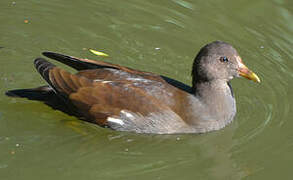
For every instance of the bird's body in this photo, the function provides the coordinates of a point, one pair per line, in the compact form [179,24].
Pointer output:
[125,99]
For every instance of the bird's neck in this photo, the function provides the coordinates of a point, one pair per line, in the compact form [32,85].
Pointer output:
[217,99]
[204,89]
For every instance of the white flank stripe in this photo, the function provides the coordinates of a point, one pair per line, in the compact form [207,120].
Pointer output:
[115,120]
[127,114]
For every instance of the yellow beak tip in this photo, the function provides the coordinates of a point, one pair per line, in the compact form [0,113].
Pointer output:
[255,78]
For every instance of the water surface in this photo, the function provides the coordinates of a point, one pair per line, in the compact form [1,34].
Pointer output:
[163,36]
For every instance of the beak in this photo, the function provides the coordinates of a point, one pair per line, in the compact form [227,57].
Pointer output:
[245,72]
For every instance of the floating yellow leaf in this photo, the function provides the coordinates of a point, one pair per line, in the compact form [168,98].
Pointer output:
[98,53]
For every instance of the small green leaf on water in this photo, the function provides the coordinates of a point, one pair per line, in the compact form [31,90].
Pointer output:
[98,53]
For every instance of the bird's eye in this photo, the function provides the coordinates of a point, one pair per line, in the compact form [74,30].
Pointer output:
[224,59]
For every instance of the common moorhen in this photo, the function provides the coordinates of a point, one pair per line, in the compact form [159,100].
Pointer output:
[125,99]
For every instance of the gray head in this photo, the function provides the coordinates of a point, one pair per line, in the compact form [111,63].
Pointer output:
[219,61]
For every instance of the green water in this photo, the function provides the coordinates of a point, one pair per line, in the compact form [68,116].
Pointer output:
[161,36]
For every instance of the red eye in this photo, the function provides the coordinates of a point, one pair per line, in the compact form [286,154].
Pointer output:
[224,59]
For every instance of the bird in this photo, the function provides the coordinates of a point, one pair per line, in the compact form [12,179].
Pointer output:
[125,99]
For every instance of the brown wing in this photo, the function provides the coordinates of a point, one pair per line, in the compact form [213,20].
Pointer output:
[119,105]
[85,64]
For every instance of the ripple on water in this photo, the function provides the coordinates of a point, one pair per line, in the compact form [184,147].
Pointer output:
[132,30]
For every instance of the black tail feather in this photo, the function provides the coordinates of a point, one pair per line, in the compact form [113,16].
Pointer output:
[46,95]
[42,93]
[70,61]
